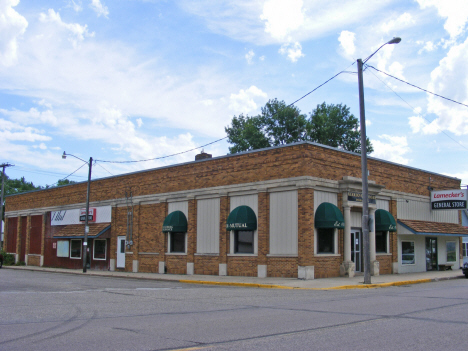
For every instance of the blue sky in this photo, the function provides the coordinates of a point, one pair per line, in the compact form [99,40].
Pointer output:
[138,79]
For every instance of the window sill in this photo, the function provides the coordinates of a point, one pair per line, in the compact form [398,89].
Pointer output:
[283,255]
[98,259]
[207,254]
[176,254]
[241,255]
[383,254]
[326,255]
[148,253]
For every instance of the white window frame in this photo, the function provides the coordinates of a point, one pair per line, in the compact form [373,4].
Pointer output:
[446,251]
[414,252]
[335,244]
[94,250]
[66,252]
[388,245]
[169,245]
[81,249]
[255,245]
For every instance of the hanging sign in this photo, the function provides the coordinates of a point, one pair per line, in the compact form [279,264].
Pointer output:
[357,197]
[449,199]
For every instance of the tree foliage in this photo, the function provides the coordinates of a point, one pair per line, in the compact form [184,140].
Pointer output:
[279,124]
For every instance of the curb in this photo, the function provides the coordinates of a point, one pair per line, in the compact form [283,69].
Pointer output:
[244,285]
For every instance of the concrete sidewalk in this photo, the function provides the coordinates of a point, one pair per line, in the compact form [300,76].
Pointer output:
[272,283]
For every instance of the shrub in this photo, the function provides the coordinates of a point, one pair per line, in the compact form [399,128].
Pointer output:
[8,259]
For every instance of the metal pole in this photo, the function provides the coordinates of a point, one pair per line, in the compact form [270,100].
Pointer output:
[2,196]
[85,242]
[365,188]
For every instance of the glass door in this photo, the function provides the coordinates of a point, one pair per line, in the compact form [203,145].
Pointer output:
[431,254]
[356,252]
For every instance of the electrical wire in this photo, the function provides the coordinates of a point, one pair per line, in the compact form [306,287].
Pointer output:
[199,147]
[412,108]
[415,86]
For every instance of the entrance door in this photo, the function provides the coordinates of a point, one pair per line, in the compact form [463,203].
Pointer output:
[120,252]
[431,254]
[356,252]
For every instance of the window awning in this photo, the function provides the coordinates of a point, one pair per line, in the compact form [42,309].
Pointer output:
[242,218]
[175,222]
[328,216]
[433,228]
[384,221]
[76,231]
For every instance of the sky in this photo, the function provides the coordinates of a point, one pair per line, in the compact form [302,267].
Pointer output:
[129,80]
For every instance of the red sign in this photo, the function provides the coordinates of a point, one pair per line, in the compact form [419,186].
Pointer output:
[91,215]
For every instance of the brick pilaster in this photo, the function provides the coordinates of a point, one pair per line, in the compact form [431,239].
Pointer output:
[192,230]
[223,233]
[305,226]
[263,227]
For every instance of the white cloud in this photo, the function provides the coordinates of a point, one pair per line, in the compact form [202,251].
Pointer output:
[282,17]
[292,50]
[12,26]
[139,122]
[244,102]
[398,24]
[99,8]
[262,58]
[78,31]
[391,148]
[454,11]
[77,7]
[346,40]
[429,46]
[450,79]
[33,116]
[249,56]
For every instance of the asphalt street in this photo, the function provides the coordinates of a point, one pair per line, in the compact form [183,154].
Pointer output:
[53,311]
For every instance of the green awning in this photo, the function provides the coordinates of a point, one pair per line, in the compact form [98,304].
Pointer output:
[384,221]
[328,216]
[242,218]
[175,222]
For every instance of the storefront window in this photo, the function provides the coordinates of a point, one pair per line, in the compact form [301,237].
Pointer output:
[407,252]
[244,242]
[381,242]
[63,248]
[326,240]
[99,249]
[75,248]
[177,242]
[451,253]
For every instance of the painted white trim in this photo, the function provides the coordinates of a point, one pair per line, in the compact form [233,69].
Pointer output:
[94,250]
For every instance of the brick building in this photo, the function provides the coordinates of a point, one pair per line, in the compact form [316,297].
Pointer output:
[290,211]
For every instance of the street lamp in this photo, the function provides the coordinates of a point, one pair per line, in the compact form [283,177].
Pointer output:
[365,185]
[85,242]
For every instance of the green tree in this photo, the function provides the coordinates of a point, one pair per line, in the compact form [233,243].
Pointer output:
[65,182]
[16,186]
[335,126]
[279,124]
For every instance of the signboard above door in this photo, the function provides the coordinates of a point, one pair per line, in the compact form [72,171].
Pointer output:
[449,199]
[357,197]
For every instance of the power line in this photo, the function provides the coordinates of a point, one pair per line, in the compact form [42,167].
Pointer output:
[415,86]
[199,147]
[406,102]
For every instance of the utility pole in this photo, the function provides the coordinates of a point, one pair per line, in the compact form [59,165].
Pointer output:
[4,165]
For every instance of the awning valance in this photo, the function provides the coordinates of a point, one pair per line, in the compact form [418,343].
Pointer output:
[432,228]
[76,231]
[175,222]
[328,215]
[384,221]
[242,218]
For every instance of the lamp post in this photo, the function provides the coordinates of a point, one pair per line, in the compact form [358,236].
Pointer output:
[85,241]
[365,185]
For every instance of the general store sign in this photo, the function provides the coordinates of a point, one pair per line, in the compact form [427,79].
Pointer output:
[78,215]
[449,199]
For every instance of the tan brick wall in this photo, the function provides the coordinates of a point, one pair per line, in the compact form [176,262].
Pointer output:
[176,264]
[242,266]
[206,265]
[34,260]
[385,264]
[263,227]
[282,267]
[149,263]
[305,226]
[327,267]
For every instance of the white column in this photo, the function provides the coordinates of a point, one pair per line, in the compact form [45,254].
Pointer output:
[372,235]
[347,235]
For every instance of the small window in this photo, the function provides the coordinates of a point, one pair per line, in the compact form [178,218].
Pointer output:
[451,252]
[407,252]
[381,242]
[465,249]
[326,240]
[244,242]
[177,242]
[75,248]
[63,248]
[99,249]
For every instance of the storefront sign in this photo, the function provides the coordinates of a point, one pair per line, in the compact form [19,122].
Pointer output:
[101,214]
[91,215]
[449,199]
[357,197]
